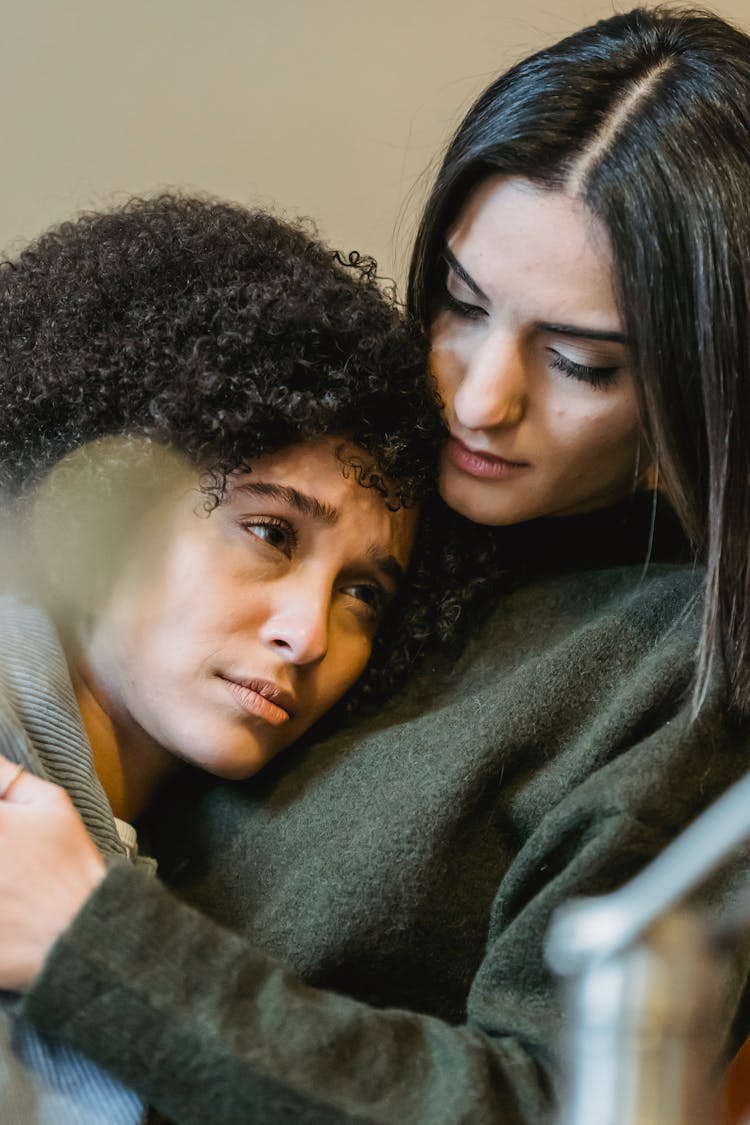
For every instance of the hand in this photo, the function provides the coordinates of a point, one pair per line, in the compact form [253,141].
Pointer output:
[48,867]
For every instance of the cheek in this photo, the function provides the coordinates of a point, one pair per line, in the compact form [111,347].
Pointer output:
[617,433]
[446,369]
[344,668]
[167,639]
[126,658]
[601,434]
[153,657]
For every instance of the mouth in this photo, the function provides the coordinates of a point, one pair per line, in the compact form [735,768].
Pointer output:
[262,699]
[476,463]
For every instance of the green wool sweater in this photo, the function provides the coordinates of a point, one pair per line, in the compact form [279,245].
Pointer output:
[365,936]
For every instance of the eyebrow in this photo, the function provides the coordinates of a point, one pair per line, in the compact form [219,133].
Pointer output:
[303,503]
[307,505]
[459,270]
[557,329]
[583,333]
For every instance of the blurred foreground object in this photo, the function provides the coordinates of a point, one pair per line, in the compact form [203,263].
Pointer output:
[734,1104]
[643,1010]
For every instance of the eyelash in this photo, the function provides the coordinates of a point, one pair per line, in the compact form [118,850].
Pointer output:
[461,308]
[596,377]
[374,609]
[275,524]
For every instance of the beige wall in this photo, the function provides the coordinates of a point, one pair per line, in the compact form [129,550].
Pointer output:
[326,108]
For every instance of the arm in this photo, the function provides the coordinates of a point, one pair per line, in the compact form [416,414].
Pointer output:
[213,1030]
[208,1027]
[218,1030]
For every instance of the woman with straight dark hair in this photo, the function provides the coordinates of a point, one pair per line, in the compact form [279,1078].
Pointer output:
[645,120]
[582,270]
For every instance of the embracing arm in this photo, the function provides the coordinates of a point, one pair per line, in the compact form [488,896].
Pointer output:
[202,1024]
[207,1027]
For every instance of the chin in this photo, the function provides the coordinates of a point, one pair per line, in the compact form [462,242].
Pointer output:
[240,767]
[477,503]
[479,508]
[234,763]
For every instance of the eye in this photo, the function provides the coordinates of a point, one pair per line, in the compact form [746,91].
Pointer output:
[372,597]
[460,308]
[595,376]
[445,299]
[277,533]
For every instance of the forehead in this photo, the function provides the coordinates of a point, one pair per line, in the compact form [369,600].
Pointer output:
[541,249]
[321,474]
[318,460]
[321,466]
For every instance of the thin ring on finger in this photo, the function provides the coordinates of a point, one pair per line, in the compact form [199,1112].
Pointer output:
[12,779]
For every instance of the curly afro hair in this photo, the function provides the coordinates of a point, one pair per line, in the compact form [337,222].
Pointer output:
[219,331]
[223,333]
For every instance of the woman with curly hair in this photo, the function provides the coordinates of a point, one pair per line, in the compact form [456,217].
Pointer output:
[377,904]
[214,437]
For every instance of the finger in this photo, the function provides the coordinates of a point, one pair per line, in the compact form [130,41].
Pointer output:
[8,779]
[17,785]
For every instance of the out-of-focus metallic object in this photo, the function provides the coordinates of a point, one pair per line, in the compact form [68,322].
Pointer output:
[644,1034]
[643,985]
[82,518]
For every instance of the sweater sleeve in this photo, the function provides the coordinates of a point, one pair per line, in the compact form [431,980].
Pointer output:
[207,1027]
[217,1031]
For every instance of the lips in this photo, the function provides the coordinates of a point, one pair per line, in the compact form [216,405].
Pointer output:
[262,699]
[479,464]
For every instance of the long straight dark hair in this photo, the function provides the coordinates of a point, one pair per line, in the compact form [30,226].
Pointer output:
[646,117]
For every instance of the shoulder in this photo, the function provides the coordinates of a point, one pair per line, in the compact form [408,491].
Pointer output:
[28,637]
[621,613]
[656,594]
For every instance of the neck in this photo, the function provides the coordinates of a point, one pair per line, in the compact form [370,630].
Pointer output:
[128,763]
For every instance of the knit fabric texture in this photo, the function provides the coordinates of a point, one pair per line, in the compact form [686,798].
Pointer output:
[357,933]
[42,1080]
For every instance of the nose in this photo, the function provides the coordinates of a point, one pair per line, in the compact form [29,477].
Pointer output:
[493,389]
[298,627]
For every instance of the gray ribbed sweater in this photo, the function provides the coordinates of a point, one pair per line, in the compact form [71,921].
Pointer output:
[42,1081]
